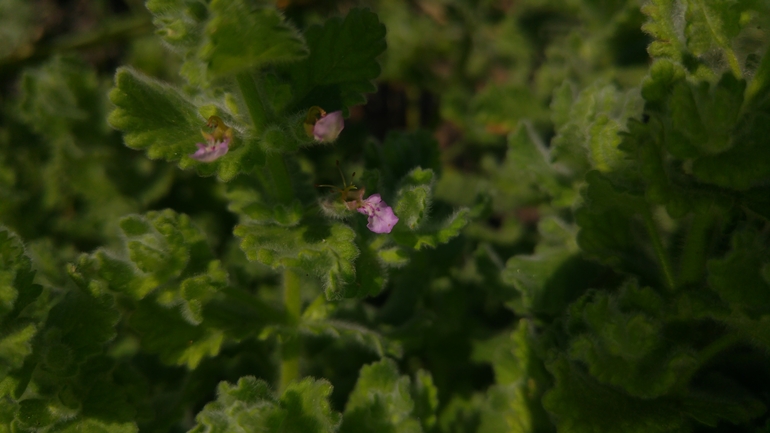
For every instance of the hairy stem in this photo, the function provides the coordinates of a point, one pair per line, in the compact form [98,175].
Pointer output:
[253,99]
[261,117]
[660,252]
[284,191]
[290,347]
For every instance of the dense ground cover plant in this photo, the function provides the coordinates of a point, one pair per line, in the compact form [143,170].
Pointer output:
[385,216]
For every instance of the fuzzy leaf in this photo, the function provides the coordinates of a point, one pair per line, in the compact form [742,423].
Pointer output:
[165,332]
[737,277]
[371,273]
[414,197]
[501,108]
[16,287]
[552,277]
[270,38]
[576,399]
[251,406]
[529,160]
[619,340]
[163,247]
[606,221]
[60,97]
[170,269]
[317,319]
[433,235]
[179,22]
[380,402]
[513,402]
[83,334]
[590,138]
[666,26]
[159,119]
[342,62]
[425,396]
[325,251]
[713,24]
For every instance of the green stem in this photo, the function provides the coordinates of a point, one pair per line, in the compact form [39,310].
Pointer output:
[732,60]
[284,190]
[660,252]
[291,346]
[253,99]
[261,117]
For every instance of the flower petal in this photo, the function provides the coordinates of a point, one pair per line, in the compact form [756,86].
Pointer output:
[381,216]
[328,127]
[211,152]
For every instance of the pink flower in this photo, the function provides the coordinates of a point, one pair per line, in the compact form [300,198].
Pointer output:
[213,151]
[381,216]
[218,141]
[328,127]
[323,127]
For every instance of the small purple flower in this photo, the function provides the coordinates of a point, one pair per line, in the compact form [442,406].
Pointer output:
[218,142]
[322,126]
[209,153]
[328,127]
[381,216]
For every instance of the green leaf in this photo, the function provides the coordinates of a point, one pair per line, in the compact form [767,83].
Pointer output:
[170,269]
[501,108]
[513,402]
[529,160]
[342,62]
[317,320]
[737,277]
[159,119]
[270,38]
[425,396]
[661,79]
[704,118]
[371,274]
[610,227]
[619,341]
[400,153]
[665,25]
[251,406]
[580,404]
[179,22]
[317,248]
[181,25]
[414,198]
[84,334]
[17,289]
[712,25]
[433,235]
[380,402]
[15,346]
[163,248]
[507,410]
[61,97]
[164,331]
[554,275]
[590,138]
